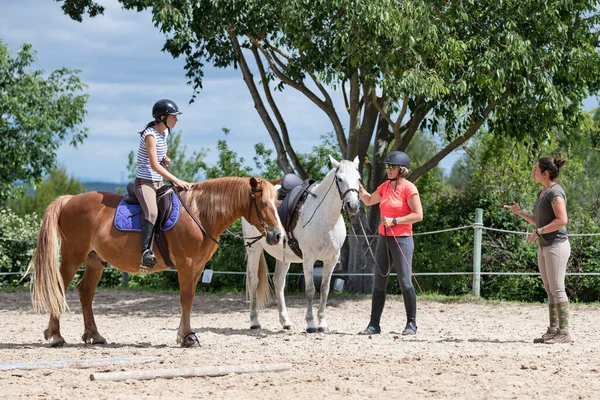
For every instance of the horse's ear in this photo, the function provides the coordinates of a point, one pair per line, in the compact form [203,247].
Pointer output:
[275,181]
[254,183]
[355,161]
[334,162]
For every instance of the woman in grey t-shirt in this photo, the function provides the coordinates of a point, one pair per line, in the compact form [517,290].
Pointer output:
[550,218]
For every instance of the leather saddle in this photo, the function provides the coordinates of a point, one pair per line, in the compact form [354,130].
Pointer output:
[165,208]
[291,196]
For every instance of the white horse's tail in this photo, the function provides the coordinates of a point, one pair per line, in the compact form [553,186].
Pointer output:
[263,291]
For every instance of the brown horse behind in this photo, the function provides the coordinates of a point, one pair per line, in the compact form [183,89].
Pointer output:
[79,229]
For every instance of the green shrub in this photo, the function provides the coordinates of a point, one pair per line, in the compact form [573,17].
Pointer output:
[18,237]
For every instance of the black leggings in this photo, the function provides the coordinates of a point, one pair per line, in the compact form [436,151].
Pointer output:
[399,251]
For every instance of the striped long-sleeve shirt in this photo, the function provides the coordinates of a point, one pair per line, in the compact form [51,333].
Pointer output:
[145,171]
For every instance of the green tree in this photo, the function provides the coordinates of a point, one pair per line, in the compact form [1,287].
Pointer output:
[522,69]
[38,112]
[449,68]
[228,162]
[18,235]
[56,184]
[266,164]
[497,171]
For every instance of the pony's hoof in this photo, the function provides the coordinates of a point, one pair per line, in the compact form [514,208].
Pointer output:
[60,342]
[311,330]
[287,327]
[323,329]
[190,341]
[48,334]
[89,338]
[99,340]
[255,327]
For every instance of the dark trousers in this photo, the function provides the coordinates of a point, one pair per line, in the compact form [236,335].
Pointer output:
[397,250]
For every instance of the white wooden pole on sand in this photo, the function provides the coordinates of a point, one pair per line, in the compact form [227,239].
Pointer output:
[189,372]
[85,363]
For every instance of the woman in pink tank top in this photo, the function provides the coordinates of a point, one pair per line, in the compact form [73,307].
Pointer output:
[400,207]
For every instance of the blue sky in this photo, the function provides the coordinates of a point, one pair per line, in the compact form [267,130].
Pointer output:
[122,63]
[121,60]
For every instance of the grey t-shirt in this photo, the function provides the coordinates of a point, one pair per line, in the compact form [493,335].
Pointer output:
[544,214]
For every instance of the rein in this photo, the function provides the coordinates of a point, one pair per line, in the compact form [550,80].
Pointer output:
[194,218]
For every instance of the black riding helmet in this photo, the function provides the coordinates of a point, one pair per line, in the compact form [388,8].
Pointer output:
[162,108]
[398,158]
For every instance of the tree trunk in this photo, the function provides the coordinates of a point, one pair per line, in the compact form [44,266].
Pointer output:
[360,260]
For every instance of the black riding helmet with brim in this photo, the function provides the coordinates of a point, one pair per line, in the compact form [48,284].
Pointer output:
[398,158]
[162,108]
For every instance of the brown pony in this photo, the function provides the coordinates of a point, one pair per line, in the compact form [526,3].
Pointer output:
[81,228]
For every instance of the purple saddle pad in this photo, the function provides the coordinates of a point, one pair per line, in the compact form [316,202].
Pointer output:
[128,217]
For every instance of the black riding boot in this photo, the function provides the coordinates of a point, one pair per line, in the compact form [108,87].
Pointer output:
[377,304]
[410,304]
[148,257]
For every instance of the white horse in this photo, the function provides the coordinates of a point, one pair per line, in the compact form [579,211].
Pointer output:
[320,232]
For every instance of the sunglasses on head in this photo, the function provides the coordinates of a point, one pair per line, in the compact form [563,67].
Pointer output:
[391,166]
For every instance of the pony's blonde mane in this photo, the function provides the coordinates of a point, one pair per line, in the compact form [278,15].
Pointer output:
[221,198]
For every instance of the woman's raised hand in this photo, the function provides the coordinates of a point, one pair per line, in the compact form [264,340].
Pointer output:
[514,208]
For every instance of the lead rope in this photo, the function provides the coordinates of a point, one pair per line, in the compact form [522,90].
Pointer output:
[411,272]
[368,243]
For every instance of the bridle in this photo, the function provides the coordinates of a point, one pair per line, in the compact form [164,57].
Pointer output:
[343,196]
[253,201]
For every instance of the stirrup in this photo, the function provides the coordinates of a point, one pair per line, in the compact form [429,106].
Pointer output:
[148,261]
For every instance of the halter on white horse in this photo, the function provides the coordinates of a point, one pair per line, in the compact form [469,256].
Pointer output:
[320,232]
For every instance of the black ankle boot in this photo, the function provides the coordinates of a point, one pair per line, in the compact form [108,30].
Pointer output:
[370,330]
[410,329]
[148,258]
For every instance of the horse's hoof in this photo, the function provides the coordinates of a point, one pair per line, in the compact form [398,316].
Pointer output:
[190,341]
[58,342]
[89,338]
[323,329]
[99,340]
[311,330]
[287,327]
[254,327]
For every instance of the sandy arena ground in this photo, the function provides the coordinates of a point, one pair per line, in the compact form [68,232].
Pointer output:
[463,350]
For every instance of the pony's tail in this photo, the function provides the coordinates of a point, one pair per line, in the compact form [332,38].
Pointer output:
[263,291]
[47,286]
